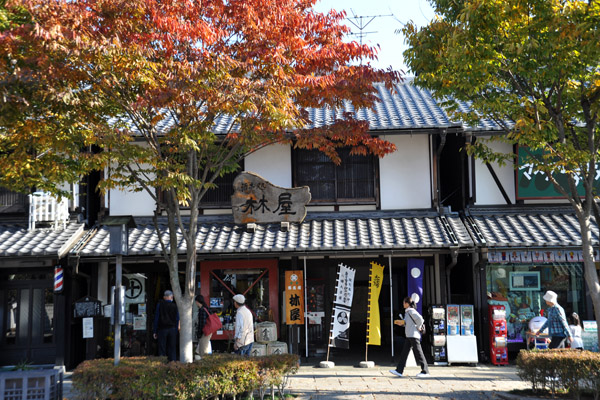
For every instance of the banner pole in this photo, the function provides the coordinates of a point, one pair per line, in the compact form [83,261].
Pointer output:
[366,351]
[391,306]
[305,310]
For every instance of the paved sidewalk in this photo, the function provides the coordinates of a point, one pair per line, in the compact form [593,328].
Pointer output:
[353,383]
[445,382]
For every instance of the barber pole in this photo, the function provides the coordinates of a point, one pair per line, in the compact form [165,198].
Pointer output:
[58,279]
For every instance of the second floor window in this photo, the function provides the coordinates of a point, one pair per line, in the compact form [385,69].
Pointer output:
[353,181]
[220,197]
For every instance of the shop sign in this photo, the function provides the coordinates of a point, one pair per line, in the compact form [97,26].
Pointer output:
[294,297]
[135,288]
[534,184]
[538,256]
[257,200]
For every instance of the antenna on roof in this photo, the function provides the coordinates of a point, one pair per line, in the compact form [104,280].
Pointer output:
[361,22]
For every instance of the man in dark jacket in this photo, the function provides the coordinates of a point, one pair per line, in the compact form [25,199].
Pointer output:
[166,325]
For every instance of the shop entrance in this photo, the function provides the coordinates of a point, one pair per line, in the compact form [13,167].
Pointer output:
[257,280]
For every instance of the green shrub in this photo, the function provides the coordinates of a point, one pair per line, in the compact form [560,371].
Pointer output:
[572,370]
[154,378]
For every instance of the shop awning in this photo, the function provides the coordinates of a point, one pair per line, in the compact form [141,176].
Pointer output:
[526,227]
[382,232]
[16,240]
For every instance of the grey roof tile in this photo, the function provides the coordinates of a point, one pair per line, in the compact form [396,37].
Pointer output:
[407,107]
[318,233]
[16,240]
[527,227]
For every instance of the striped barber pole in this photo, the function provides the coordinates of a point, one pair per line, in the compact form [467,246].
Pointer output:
[58,279]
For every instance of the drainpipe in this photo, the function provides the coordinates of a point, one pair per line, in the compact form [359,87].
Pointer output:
[449,267]
[436,170]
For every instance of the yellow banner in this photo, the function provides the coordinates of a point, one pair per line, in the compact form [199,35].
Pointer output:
[294,298]
[373,323]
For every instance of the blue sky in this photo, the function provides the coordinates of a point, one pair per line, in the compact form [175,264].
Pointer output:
[381,29]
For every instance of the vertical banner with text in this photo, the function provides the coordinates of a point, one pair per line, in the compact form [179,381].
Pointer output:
[294,297]
[373,318]
[340,317]
[416,267]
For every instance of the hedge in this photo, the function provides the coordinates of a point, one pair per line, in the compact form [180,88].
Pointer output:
[153,378]
[572,370]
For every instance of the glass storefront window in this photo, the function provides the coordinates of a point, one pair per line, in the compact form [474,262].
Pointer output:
[520,288]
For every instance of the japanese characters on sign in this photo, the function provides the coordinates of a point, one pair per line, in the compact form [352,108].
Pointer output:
[340,316]
[257,200]
[294,297]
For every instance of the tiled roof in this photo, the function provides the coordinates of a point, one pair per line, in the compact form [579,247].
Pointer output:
[16,240]
[318,233]
[526,227]
[408,107]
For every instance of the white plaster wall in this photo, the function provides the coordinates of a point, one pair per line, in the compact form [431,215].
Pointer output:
[123,202]
[486,190]
[274,163]
[405,181]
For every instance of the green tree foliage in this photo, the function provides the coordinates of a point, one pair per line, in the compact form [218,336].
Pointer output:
[533,66]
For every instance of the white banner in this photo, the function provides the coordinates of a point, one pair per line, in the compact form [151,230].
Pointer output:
[340,326]
[344,288]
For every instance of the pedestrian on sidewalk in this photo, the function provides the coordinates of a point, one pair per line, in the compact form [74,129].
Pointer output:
[203,340]
[243,337]
[412,321]
[166,325]
[556,322]
[575,328]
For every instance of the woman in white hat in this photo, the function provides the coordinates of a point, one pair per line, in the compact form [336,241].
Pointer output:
[558,328]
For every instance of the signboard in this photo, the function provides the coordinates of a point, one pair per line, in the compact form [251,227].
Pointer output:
[533,184]
[257,200]
[88,328]
[294,297]
[135,288]
[87,307]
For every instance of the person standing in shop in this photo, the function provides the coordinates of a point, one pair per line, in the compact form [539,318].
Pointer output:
[243,337]
[166,325]
[412,322]
[558,329]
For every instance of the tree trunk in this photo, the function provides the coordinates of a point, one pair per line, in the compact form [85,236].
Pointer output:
[590,273]
[186,349]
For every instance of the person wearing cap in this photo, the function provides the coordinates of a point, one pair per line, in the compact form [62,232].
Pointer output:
[166,325]
[556,322]
[243,337]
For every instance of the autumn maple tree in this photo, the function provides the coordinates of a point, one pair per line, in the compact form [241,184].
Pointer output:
[533,66]
[175,93]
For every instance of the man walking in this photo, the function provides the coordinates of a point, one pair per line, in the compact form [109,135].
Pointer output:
[557,322]
[244,326]
[166,325]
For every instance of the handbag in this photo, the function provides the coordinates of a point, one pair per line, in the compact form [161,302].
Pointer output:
[213,324]
[421,329]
